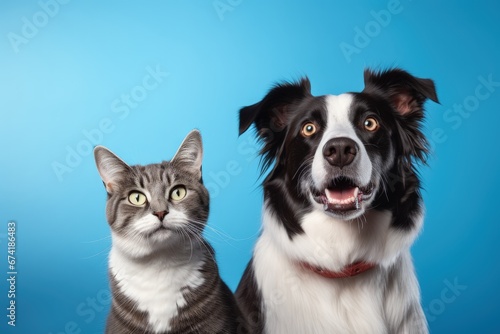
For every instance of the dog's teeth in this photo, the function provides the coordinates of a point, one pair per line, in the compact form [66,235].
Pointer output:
[356,198]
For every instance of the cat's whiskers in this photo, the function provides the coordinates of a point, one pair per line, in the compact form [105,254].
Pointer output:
[190,244]
[108,237]
[195,233]
[223,235]
[104,251]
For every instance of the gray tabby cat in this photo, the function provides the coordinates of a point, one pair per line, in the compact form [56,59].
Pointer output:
[163,275]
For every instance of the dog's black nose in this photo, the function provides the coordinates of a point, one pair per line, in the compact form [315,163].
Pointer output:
[340,152]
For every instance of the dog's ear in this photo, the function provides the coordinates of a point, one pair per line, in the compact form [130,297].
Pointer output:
[271,115]
[273,111]
[407,95]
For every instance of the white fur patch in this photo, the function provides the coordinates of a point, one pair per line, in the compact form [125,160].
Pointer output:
[155,282]
[299,301]
[339,125]
[137,244]
[156,285]
[333,243]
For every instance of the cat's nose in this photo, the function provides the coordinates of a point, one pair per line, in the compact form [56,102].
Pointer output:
[160,214]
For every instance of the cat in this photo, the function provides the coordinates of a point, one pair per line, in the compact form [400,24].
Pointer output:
[163,274]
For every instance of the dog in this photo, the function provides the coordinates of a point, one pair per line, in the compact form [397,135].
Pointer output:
[342,206]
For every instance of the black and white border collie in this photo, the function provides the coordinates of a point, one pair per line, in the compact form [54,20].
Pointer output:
[342,206]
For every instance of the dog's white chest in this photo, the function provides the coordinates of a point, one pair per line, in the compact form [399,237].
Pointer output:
[298,301]
[156,288]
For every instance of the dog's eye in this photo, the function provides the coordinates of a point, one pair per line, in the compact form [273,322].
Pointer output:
[371,124]
[137,198]
[308,129]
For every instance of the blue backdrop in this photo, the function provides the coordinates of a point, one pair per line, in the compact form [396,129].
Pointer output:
[136,77]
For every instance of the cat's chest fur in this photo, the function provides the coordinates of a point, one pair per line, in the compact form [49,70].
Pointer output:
[156,286]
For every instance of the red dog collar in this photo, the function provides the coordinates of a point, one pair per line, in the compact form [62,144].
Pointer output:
[348,271]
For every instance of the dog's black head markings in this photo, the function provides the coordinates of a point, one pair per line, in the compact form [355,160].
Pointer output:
[343,154]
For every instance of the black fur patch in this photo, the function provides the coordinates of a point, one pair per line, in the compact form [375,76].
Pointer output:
[394,96]
[249,300]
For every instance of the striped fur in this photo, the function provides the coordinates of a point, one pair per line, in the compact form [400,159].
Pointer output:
[163,274]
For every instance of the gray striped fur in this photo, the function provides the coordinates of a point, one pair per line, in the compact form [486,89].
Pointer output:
[208,307]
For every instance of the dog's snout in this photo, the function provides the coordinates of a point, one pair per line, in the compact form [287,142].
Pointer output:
[340,152]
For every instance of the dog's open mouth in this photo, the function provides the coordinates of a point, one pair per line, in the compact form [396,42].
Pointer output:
[342,195]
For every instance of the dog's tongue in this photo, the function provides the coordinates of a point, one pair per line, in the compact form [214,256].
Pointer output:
[341,195]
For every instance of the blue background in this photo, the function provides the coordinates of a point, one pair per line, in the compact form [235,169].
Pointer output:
[67,77]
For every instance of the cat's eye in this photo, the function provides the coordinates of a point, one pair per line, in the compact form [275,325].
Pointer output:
[137,198]
[308,129]
[371,124]
[178,193]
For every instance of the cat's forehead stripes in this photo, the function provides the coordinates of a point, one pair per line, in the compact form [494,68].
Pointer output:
[145,176]
[155,172]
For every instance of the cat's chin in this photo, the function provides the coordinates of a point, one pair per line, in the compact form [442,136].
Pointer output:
[160,234]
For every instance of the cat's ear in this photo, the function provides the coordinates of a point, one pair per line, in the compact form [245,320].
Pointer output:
[111,168]
[190,153]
